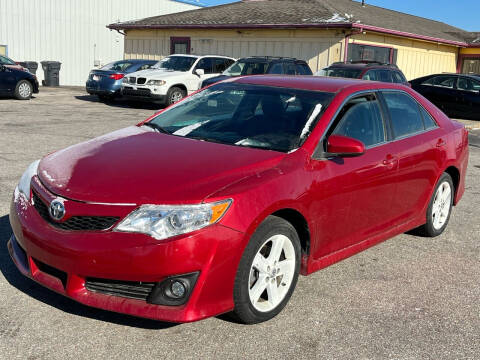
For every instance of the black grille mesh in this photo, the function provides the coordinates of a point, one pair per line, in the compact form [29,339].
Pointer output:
[138,92]
[141,81]
[74,223]
[129,289]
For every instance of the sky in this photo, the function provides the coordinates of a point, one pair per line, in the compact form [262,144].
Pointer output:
[460,13]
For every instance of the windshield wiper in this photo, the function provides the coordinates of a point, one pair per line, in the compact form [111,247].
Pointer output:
[157,127]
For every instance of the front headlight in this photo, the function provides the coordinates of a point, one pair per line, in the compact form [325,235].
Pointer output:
[164,221]
[156,82]
[24,183]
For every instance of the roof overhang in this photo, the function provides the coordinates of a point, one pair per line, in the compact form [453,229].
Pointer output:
[358,26]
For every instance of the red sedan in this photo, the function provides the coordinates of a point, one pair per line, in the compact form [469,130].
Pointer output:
[219,202]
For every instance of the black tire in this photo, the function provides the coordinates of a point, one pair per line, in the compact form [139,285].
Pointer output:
[175,94]
[428,229]
[244,310]
[23,90]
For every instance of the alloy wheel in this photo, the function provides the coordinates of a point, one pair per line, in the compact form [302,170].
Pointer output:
[24,90]
[441,205]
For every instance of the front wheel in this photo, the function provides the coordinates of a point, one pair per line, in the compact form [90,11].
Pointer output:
[23,90]
[440,207]
[268,271]
[175,94]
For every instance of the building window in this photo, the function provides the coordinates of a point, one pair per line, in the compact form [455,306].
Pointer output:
[3,50]
[369,53]
[471,66]
[179,45]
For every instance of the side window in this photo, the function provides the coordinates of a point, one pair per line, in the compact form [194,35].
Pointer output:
[404,113]
[276,68]
[303,69]
[221,64]
[427,118]
[361,119]
[370,75]
[290,68]
[398,77]
[468,84]
[384,76]
[206,64]
[444,81]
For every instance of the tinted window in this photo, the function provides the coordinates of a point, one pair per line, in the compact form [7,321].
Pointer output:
[361,119]
[221,65]
[206,64]
[6,61]
[427,119]
[342,72]
[370,75]
[398,77]
[444,81]
[145,66]
[117,66]
[468,84]
[383,75]
[243,67]
[290,68]
[303,69]
[276,68]
[404,113]
[247,115]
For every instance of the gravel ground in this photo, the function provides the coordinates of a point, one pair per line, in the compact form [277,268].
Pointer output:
[407,298]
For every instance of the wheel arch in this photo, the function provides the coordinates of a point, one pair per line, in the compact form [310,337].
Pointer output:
[300,223]
[455,175]
[179,85]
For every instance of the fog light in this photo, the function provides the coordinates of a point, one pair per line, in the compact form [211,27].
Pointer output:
[178,289]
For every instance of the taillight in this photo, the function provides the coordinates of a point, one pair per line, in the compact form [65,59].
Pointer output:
[116,76]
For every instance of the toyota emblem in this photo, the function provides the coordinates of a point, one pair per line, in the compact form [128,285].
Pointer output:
[57,210]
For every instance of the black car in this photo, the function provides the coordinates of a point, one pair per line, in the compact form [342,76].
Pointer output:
[18,83]
[458,95]
[365,70]
[259,65]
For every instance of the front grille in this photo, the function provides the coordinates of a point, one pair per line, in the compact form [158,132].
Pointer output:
[132,80]
[129,289]
[75,223]
[141,81]
[138,92]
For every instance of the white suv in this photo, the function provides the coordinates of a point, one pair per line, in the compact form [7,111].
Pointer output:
[174,77]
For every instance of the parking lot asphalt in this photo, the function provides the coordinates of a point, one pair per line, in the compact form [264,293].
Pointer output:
[407,298]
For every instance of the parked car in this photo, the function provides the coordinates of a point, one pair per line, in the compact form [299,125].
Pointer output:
[218,203]
[260,65]
[18,83]
[173,78]
[10,63]
[106,82]
[367,71]
[458,95]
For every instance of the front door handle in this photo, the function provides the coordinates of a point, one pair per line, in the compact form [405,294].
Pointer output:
[389,161]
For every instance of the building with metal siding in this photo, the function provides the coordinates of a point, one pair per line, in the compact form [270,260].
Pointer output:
[318,31]
[72,31]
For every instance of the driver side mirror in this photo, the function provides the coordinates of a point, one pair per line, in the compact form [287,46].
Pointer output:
[344,146]
[199,72]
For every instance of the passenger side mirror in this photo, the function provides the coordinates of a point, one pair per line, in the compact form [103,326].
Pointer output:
[199,72]
[344,146]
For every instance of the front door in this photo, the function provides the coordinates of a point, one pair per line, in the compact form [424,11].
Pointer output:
[354,194]
[7,79]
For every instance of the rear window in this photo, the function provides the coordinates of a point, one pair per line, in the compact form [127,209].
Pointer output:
[117,66]
[303,69]
[342,72]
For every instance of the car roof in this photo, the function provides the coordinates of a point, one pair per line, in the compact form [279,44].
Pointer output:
[475,76]
[363,66]
[316,83]
[201,56]
[269,58]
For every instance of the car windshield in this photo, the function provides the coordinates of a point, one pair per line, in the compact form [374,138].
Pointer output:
[241,67]
[255,116]
[6,61]
[117,66]
[341,72]
[175,63]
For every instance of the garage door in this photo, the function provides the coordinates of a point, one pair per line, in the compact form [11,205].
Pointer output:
[3,50]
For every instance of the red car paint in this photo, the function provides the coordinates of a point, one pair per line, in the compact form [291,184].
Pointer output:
[348,206]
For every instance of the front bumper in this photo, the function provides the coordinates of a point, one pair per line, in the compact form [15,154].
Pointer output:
[143,94]
[213,252]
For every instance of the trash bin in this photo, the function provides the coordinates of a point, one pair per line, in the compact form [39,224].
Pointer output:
[32,66]
[52,73]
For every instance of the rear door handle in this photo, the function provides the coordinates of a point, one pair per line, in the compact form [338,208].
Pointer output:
[441,143]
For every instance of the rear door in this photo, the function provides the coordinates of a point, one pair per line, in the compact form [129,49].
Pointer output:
[354,194]
[419,145]
[468,105]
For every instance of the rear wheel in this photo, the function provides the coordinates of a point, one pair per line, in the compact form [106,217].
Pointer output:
[268,271]
[23,90]
[440,207]
[175,94]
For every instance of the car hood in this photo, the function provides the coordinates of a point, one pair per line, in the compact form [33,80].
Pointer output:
[136,165]
[157,73]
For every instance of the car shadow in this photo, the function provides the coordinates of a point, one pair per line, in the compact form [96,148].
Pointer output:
[40,293]
[122,103]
